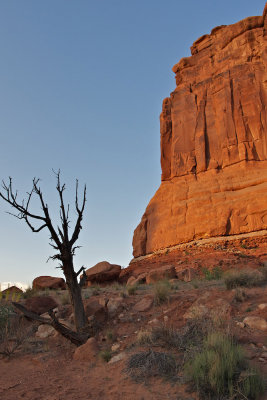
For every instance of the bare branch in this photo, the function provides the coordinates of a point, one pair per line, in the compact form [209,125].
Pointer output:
[80,270]
[63,214]
[80,211]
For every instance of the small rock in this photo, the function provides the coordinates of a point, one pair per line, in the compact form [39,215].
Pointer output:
[262,306]
[262,360]
[264,355]
[144,304]
[117,358]
[154,321]
[256,323]
[45,331]
[240,324]
[165,318]
[115,347]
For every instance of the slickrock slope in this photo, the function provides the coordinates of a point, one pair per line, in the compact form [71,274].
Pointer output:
[213,142]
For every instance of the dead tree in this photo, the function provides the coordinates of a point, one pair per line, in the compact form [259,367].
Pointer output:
[60,237]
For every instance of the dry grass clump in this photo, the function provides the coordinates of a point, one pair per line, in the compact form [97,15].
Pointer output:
[161,291]
[29,292]
[131,290]
[246,278]
[240,295]
[220,370]
[105,355]
[144,337]
[151,363]
[65,299]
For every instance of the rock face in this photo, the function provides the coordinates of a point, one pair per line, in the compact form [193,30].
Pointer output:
[213,142]
[48,282]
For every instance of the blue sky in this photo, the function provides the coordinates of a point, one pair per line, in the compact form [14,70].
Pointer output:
[82,83]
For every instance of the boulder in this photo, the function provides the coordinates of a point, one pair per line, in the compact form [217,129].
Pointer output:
[164,272]
[48,282]
[41,304]
[87,351]
[144,304]
[255,322]
[213,143]
[103,272]
[93,309]
[115,306]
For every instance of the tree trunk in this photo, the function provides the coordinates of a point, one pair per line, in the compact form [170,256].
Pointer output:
[75,293]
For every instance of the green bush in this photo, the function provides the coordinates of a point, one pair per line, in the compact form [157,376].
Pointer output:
[245,278]
[6,311]
[161,291]
[220,369]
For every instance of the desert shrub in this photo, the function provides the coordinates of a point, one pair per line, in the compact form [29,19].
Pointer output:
[131,290]
[166,336]
[240,295]
[110,335]
[105,355]
[14,330]
[161,291]
[220,369]
[151,363]
[246,278]
[6,310]
[11,296]
[212,274]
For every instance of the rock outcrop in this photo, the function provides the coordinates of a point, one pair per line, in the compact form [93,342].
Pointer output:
[213,142]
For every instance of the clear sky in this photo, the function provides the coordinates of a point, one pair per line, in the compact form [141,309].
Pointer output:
[81,88]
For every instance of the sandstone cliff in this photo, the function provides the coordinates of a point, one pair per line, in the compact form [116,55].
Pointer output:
[213,142]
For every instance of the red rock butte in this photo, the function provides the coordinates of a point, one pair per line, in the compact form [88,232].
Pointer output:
[213,142]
